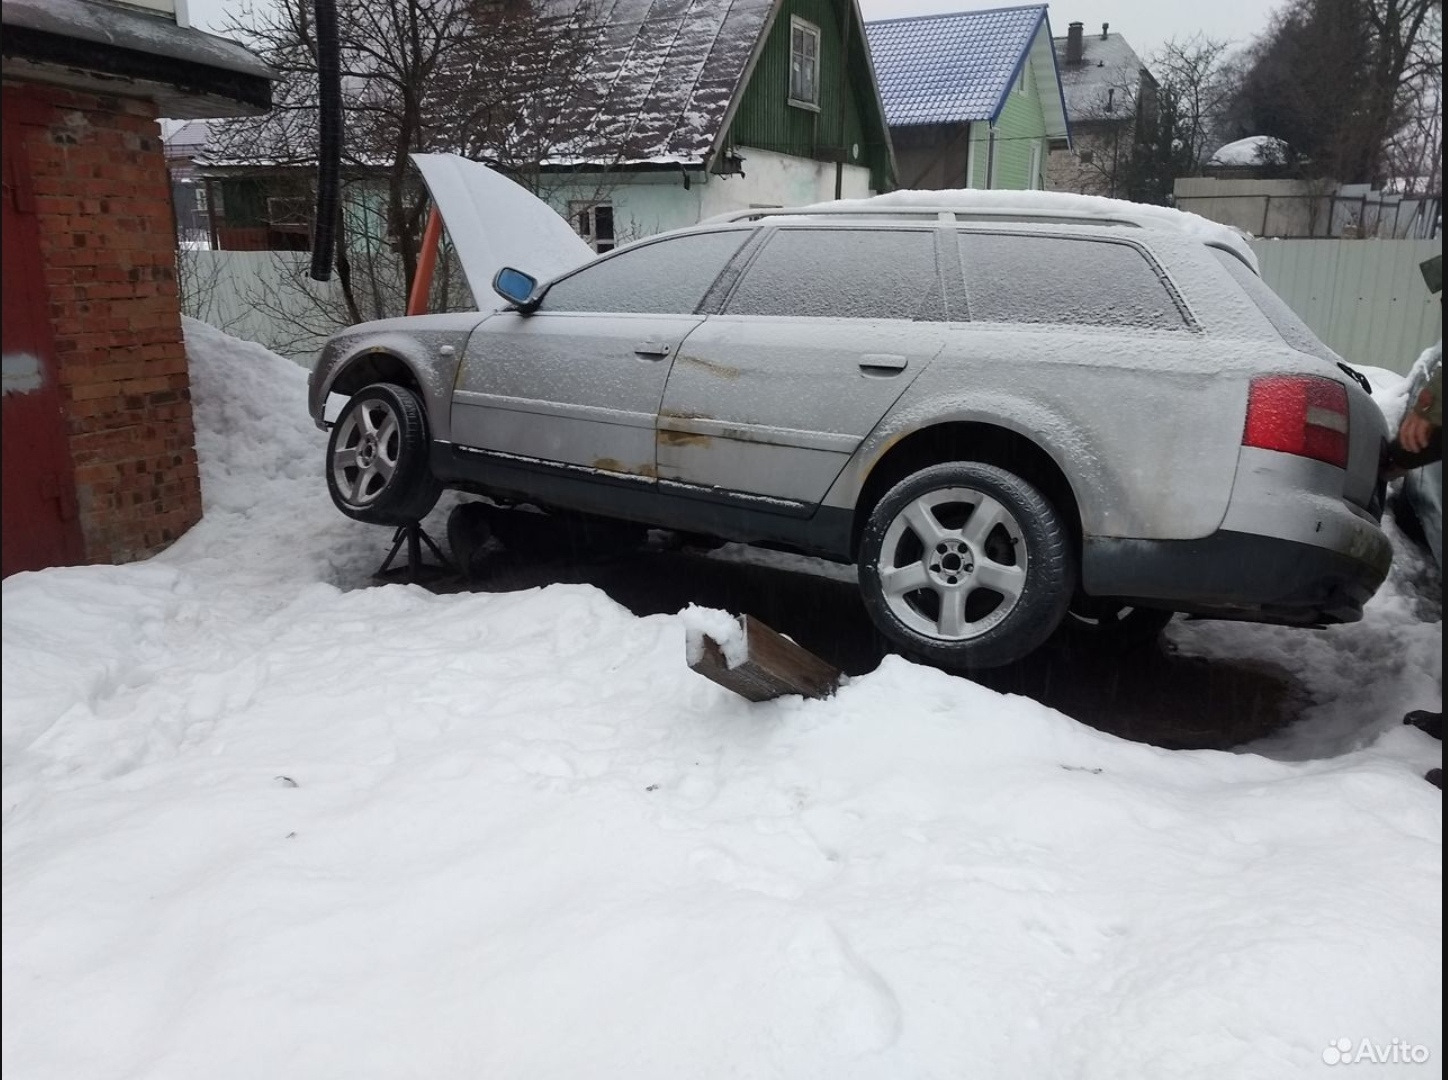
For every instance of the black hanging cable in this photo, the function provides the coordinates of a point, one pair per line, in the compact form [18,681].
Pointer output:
[329,138]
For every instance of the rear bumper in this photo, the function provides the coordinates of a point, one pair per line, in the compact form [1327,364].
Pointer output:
[1235,575]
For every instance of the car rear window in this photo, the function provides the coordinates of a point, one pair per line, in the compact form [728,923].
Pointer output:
[1283,319]
[1057,279]
[667,277]
[843,274]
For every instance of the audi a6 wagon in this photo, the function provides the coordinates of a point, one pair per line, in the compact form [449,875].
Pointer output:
[999,413]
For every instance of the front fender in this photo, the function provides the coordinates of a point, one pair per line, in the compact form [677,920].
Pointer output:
[430,348]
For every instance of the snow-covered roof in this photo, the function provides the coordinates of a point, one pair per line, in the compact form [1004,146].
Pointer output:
[945,69]
[1108,64]
[1253,150]
[123,27]
[69,40]
[665,73]
[1060,203]
[184,138]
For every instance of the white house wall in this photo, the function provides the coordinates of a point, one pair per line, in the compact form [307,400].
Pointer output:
[780,180]
[645,204]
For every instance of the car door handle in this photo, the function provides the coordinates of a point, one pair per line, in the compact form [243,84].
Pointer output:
[655,350]
[882,363]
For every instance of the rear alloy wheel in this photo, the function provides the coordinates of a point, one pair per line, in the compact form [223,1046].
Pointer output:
[966,565]
[377,467]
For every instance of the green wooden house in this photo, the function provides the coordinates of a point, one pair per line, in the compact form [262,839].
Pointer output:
[709,106]
[689,108]
[973,99]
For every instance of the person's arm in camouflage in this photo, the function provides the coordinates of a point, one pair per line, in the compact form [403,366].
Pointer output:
[1426,410]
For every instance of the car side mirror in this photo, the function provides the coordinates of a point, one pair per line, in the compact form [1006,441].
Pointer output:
[515,286]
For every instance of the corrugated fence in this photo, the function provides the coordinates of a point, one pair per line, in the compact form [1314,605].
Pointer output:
[1364,298]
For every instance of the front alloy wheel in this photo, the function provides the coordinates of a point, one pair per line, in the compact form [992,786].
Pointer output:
[965,565]
[377,468]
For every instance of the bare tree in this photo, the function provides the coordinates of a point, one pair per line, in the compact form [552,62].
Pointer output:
[503,81]
[1196,76]
[1143,130]
[1338,81]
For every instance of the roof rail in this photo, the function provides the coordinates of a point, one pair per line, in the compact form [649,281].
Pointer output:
[946,214]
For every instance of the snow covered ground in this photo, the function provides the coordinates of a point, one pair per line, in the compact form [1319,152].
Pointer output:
[260,821]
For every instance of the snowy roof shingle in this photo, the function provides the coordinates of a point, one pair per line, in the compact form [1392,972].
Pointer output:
[941,69]
[665,72]
[1107,63]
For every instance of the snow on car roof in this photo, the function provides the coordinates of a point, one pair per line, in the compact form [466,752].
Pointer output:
[1062,203]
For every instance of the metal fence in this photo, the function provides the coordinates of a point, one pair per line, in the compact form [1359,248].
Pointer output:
[1364,298]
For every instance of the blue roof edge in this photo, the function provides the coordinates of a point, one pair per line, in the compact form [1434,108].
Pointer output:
[1060,88]
[1000,104]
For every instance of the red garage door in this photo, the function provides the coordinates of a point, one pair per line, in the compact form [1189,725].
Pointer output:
[38,486]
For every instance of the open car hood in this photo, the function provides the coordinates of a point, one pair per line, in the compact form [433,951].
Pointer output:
[494,223]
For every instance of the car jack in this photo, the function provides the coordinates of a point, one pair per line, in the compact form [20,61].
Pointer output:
[416,572]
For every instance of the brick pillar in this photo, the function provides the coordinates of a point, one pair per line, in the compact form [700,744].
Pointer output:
[108,241]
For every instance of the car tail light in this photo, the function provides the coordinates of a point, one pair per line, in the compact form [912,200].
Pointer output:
[1298,414]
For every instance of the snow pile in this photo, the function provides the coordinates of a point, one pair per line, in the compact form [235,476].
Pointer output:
[258,822]
[966,200]
[1251,151]
[262,483]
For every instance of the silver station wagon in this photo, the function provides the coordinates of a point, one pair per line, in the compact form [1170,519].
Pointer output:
[999,413]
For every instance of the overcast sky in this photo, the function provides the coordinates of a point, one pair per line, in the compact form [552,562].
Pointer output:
[1146,24]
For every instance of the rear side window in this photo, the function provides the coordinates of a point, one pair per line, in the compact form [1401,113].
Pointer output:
[1055,279]
[843,274]
[667,277]
[1283,319]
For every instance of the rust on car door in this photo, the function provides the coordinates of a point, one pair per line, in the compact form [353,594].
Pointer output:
[40,524]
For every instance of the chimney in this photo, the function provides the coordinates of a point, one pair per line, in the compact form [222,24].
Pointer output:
[1104,27]
[1073,43]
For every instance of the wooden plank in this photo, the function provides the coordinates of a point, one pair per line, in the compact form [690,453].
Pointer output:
[773,667]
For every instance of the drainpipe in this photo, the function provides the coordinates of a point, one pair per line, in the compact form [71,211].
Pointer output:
[990,157]
[211,215]
[841,83]
[329,138]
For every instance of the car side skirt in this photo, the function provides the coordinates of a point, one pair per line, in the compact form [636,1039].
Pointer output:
[669,504]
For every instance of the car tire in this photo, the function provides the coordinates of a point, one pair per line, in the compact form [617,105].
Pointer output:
[1114,627]
[957,589]
[377,458]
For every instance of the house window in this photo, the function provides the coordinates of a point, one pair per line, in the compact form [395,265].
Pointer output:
[594,222]
[289,213]
[804,63]
[1021,80]
[201,203]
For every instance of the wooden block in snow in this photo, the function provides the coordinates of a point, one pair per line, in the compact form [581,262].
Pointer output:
[771,665]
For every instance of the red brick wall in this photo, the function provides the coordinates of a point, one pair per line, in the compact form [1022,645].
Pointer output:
[108,237]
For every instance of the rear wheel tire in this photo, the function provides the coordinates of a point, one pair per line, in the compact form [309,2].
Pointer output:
[966,565]
[377,467]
